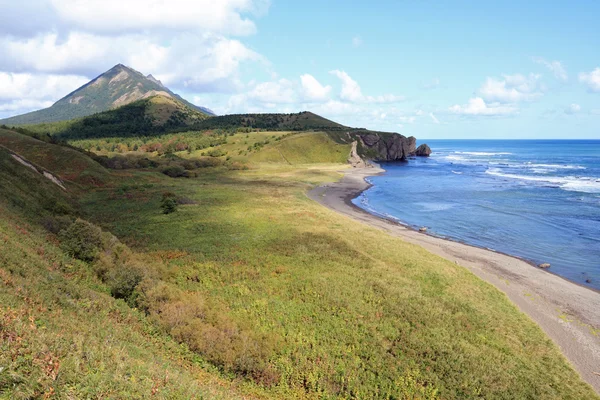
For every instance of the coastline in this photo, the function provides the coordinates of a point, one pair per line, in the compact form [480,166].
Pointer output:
[567,312]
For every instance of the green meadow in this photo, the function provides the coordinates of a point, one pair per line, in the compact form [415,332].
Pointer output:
[249,290]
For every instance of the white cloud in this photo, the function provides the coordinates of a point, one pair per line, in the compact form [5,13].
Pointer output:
[15,86]
[334,108]
[22,106]
[555,67]
[265,94]
[591,79]
[434,118]
[185,43]
[478,107]
[23,92]
[350,88]
[573,109]
[352,92]
[114,17]
[357,41]
[213,64]
[512,89]
[312,89]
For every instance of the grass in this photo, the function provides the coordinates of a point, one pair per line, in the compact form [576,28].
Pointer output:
[69,164]
[305,148]
[349,312]
[356,313]
[61,334]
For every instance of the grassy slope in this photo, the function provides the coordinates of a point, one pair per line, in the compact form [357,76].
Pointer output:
[61,334]
[70,165]
[304,148]
[356,313]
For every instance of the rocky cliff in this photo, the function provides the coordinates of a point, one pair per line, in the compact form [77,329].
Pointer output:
[387,147]
[378,146]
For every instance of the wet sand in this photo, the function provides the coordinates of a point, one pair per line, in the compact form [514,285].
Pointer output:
[569,313]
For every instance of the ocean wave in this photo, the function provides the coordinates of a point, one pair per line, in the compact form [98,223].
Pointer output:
[553,166]
[571,183]
[457,173]
[482,153]
[455,158]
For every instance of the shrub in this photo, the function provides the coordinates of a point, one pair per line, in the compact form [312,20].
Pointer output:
[168,203]
[123,282]
[81,240]
[174,171]
[208,162]
[216,153]
[237,166]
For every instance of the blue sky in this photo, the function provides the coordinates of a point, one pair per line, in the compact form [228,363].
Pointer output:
[446,69]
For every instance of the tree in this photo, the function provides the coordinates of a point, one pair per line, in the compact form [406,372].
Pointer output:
[168,203]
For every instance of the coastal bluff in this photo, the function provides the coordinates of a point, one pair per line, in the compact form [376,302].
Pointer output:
[379,146]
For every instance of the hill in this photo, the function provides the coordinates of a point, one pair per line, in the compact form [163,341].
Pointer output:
[147,117]
[116,87]
[249,289]
[160,115]
[286,122]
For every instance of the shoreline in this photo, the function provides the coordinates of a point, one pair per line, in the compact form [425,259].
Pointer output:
[569,313]
[352,196]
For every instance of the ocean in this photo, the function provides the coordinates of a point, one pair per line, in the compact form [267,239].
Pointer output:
[535,199]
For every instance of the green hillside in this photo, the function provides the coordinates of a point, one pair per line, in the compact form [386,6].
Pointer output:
[291,122]
[151,116]
[62,335]
[304,148]
[116,87]
[249,289]
[68,164]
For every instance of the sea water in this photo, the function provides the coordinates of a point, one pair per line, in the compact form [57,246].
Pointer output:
[535,199]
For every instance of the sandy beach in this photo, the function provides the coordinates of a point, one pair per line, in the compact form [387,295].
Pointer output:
[567,312]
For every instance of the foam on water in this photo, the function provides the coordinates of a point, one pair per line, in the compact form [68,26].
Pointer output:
[572,183]
[483,153]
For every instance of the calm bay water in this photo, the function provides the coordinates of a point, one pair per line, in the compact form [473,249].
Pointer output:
[539,200]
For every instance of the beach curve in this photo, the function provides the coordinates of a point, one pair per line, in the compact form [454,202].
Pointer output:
[567,312]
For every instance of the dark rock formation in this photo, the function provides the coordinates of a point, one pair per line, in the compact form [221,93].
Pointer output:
[423,151]
[389,147]
[412,145]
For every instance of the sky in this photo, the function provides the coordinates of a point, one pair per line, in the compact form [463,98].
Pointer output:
[431,69]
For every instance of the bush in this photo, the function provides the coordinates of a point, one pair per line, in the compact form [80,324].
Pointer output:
[237,166]
[81,240]
[174,171]
[216,153]
[123,282]
[208,162]
[168,203]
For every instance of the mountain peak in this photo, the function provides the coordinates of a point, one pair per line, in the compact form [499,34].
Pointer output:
[116,87]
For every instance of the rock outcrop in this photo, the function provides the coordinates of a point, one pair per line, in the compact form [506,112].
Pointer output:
[423,151]
[388,147]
